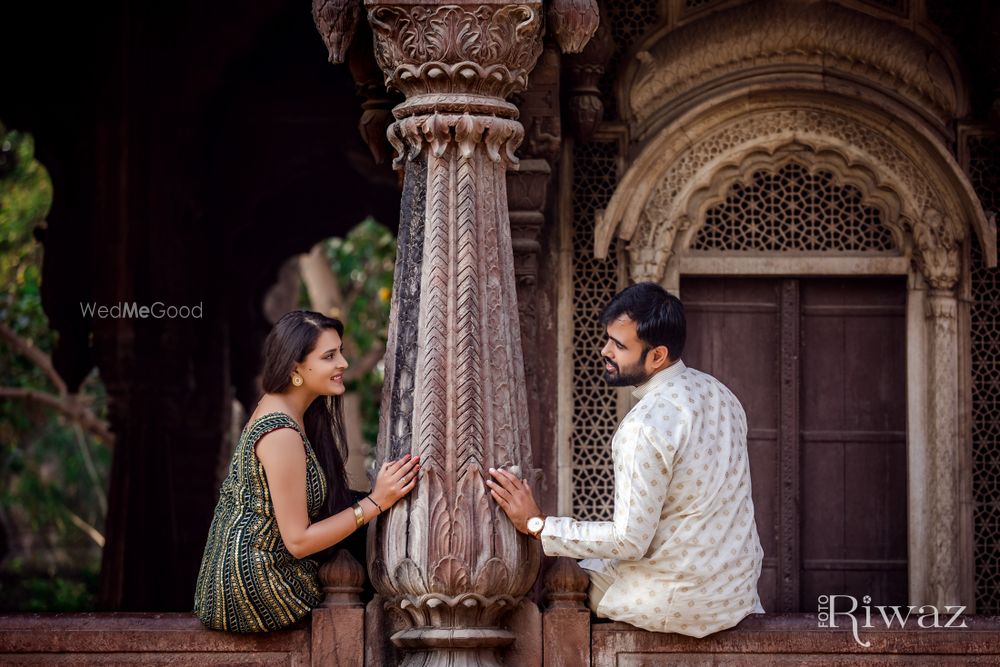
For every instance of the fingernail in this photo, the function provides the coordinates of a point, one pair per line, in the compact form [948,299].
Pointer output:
[492,470]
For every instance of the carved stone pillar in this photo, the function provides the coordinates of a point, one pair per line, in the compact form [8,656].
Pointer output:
[447,556]
[338,626]
[586,109]
[376,112]
[527,190]
[566,619]
[943,441]
[528,187]
[937,243]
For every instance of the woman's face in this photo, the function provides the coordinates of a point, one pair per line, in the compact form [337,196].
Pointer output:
[323,368]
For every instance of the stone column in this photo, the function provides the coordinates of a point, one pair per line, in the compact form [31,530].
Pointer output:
[338,625]
[447,557]
[528,187]
[566,620]
[937,244]
[943,442]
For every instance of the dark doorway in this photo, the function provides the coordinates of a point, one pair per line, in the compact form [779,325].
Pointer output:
[820,367]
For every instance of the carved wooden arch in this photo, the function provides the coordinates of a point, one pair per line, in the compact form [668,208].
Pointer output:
[936,202]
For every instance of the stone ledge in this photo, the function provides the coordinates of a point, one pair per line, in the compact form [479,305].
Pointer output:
[25,635]
[769,639]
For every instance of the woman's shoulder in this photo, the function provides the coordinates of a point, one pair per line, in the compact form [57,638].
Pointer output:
[260,426]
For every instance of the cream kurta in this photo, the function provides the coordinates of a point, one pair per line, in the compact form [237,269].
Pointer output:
[682,553]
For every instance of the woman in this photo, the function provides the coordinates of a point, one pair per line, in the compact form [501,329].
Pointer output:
[287,471]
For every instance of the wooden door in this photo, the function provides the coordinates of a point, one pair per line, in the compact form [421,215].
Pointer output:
[819,365]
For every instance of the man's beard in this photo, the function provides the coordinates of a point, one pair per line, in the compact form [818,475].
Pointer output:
[631,376]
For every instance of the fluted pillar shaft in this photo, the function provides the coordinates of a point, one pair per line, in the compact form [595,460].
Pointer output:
[446,559]
[943,580]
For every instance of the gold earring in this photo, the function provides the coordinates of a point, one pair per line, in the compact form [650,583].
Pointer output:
[297,381]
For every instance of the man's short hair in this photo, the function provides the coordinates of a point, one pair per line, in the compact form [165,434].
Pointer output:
[658,314]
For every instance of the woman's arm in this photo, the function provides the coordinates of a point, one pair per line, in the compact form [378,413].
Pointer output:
[284,459]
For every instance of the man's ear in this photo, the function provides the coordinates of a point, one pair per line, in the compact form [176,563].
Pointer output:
[660,357]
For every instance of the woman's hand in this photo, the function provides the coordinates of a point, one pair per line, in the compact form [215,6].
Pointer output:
[395,480]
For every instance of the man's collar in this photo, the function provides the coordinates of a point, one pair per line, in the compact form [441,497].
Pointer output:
[668,373]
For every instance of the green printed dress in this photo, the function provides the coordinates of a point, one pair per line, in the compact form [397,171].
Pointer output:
[248,581]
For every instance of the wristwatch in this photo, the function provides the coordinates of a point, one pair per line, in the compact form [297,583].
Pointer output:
[535,525]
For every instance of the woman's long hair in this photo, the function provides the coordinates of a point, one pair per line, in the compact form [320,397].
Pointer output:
[289,342]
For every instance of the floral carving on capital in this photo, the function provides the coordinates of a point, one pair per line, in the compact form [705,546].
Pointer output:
[938,249]
[484,49]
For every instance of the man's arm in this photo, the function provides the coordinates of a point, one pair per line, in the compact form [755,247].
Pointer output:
[642,475]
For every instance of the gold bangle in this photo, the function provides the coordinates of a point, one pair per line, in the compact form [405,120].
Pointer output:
[359,515]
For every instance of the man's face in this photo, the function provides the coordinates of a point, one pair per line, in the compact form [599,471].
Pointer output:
[624,355]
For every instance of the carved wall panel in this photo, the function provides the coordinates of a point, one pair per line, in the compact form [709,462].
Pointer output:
[984,170]
[595,281]
[792,209]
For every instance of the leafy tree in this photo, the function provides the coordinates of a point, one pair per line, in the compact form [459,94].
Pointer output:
[54,446]
[363,262]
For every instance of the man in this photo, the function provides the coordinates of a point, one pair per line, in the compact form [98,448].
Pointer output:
[682,553]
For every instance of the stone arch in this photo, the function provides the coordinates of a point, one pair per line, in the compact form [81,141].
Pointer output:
[663,233]
[850,49]
[874,193]
[929,207]
[928,196]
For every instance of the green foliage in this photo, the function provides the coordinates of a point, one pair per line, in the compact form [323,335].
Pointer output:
[45,480]
[363,262]
[25,199]
[23,591]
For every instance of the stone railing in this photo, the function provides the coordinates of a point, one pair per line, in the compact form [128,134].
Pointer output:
[333,636]
[571,638]
[563,635]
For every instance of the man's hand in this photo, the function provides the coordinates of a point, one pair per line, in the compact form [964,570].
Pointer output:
[515,498]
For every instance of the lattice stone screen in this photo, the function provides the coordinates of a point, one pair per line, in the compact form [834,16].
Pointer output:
[595,175]
[984,171]
[595,413]
[793,209]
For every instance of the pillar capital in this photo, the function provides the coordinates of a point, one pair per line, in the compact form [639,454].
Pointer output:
[456,58]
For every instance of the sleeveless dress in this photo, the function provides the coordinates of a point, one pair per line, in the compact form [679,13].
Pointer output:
[248,581]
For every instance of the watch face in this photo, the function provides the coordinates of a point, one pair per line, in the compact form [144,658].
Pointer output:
[535,524]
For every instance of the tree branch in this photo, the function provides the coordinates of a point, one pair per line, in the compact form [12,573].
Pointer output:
[68,405]
[91,532]
[366,363]
[40,359]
